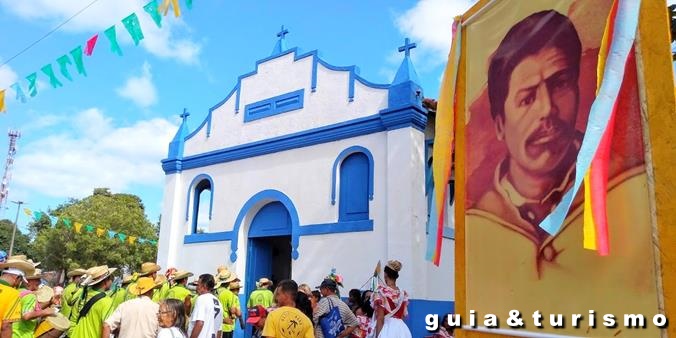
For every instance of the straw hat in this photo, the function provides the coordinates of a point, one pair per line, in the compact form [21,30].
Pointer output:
[235,286]
[143,285]
[160,279]
[97,274]
[263,282]
[44,294]
[126,279]
[76,272]
[17,266]
[37,274]
[58,321]
[182,274]
[148,268]
[223,275]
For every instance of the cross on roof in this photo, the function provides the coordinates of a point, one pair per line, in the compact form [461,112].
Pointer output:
[282,32]
[185,114]
[407,47]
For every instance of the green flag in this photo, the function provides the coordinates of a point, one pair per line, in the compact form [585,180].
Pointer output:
[63,62]
[151,8]
[112,37]
[47,69]
[77,57]
[19,92]
[188,3]
[32,84]
[89,228]
[133,27]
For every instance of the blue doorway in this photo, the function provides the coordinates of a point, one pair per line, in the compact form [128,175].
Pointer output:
[268,249]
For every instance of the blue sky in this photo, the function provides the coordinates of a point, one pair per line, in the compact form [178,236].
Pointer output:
[112,128]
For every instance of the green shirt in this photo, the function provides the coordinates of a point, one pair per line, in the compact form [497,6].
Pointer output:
[91,324]
[75,310]
[161,293]
[227,300]
[68,298]
[235,303]
[25,328]
[118,297]
[260,297]
[128,295]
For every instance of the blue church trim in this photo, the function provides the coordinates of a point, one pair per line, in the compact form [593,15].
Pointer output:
[345,153]
[191,188]
[274,105]
[336,228]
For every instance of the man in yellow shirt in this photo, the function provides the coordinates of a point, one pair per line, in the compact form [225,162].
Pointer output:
[287,321]
[68,297]
[13,272]
[262,295]
[95,306]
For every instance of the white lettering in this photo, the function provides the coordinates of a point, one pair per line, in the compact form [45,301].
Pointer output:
[490,320]
[472,318]
[576,319]
[636,320]
[556,320]
[660,320]
[609,320]
[454,320]
[537,318]
[592,319]
[432,322]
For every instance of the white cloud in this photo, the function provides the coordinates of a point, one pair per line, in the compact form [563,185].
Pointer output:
[429,24]
[140,89]
[7,76]
[170,41]
[89,152]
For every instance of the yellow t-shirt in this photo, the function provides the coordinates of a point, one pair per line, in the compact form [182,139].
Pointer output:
[10,305]
[288,322]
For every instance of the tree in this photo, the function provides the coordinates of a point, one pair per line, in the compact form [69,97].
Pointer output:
[21,241]
[61,248]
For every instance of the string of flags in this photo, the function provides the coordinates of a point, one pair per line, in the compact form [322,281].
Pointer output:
[75,58]
[79,228]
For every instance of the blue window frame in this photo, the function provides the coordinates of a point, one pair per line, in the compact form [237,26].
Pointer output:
[354,188]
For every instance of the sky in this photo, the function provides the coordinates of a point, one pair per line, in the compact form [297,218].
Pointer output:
[112,128]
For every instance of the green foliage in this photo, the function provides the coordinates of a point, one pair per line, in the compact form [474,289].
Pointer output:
[61,247]
[21,241]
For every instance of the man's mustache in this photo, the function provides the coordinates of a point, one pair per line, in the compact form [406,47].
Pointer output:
[550,127]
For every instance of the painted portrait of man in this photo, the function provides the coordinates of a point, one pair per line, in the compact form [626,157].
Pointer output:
[528,102]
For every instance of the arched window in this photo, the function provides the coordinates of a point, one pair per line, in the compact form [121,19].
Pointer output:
[202,201]
[354,188]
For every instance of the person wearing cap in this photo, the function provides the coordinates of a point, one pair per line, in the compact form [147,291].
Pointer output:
[12,273]
[119,295]
[68,298]
[287,321]
[328,289]
[232,309]
[30,308]
[262,295]
[180,290]
[135,318]
[207,317]
[256,317]
[94,306]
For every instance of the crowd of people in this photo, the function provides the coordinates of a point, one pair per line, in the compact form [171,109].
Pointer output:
[95,303]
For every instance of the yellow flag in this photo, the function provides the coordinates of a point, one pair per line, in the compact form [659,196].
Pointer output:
[2,101]
[132,239]
[164,7]
[28,212]
[78,227]
[100,231]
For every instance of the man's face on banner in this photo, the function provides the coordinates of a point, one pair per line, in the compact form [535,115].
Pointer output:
[540,110]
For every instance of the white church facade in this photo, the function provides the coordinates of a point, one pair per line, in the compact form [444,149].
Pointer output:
[304,167]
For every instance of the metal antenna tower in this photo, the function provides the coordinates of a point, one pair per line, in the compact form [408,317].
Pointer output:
[4,185]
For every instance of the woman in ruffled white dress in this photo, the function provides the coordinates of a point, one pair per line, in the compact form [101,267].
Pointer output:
[390,305]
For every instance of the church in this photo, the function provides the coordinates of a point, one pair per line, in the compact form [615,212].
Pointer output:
[305,167]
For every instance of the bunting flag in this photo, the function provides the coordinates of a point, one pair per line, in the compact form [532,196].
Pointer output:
[141,240]
[89,47]
[122,237]
[32,84]
[111,234]
[28,212]
[19,92]
[133,27]
[89,228]
[153,242]
[2,101]
[595,228]
[154,12]
[37,215]
[76,53]
[47,69]
[78,227]
[68,223]
[600,114]
[188,4]
[100,232]
[112,37]
[53,220]
[63,62]
[132,239]
[164,8]
[443,146]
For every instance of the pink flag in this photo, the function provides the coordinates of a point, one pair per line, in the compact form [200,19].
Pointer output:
[90,45]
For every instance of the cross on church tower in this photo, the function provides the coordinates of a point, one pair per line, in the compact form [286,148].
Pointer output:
[282,32]
[185,114]
[406,48]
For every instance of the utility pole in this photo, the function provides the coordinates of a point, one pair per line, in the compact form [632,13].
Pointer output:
[16,220]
